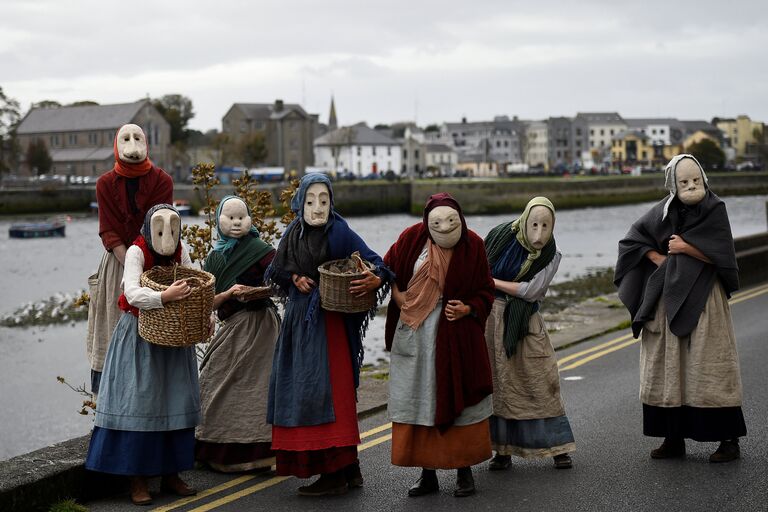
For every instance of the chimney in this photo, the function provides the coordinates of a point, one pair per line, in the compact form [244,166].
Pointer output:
[278,105]
[463,120]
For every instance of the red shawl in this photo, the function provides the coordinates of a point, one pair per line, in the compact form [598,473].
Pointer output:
[118,223]
[462,368]
[149,262]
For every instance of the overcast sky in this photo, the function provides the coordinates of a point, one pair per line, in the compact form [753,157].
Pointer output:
[395,60]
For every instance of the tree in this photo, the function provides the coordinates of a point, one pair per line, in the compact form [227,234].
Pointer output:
[84,103]
[177,110]
[38,157]
[432,128]
[9,118]
[708,153]
[381,127]
[46,104]
[252,149]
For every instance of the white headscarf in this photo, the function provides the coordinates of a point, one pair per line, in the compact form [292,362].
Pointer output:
[670,178]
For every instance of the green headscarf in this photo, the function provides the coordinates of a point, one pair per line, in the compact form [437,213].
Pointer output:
[518,227]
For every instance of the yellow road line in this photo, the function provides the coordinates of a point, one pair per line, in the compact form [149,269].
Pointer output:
[599,354]
[274,481]
[576,355]
[748,295]
[204,494]
[376,430]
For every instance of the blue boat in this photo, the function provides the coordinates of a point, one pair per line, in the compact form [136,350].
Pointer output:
[37,230]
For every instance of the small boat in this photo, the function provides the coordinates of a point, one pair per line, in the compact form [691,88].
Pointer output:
[37,230]
[182,205]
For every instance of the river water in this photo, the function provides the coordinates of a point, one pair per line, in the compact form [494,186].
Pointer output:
[36,410]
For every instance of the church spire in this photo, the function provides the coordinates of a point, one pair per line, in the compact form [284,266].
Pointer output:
[332,123]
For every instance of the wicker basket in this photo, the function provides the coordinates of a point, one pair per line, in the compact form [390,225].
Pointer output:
[334,289]
[182,322]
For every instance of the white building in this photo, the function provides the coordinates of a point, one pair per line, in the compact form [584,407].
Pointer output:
[601,128]
[359,150]
[440,158]
[535,144]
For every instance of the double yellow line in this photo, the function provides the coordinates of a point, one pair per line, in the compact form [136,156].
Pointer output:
[261,485]
[626,340]
[574,361]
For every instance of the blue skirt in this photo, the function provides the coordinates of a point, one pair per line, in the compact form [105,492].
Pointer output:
[544,437]
[121,452]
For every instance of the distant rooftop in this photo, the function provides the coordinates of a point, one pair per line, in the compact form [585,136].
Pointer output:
[267,110]
[74,119]
[600,117]
[359,135]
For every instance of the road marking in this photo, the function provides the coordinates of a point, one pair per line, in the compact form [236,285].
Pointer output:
[597,352]
[276,480]
[576,355]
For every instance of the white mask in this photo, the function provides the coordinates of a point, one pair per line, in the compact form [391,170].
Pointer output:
[317,204]
[234,220]
[131,144]
[444,225]
[538,227]
[689,182]
[165,225]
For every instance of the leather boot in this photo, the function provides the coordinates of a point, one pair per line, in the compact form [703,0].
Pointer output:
[465,484]
[426,484]
[669,448]
[140,491]
[353,475]
[727,451]
[563,461]
[500,462]
[174,484]
[329,484]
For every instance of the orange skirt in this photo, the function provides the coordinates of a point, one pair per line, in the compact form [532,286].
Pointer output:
[427,447]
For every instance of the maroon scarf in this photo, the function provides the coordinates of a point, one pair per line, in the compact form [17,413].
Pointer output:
[462,368]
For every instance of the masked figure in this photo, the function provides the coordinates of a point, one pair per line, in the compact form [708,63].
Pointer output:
[528,413]
[675,272]
[150,400]
[319,353]
[124,195]
[440,378]
[234,375]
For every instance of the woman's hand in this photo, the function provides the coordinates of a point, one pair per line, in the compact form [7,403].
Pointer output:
[180,289]
[303,283]
[656,257]
[677,245]
[398,296]
[235,291]
[367,283]
[455,309]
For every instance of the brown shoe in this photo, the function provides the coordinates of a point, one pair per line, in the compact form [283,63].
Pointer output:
[353,475]
[329,484]
[140,491]
[670,448]
[726,452]
[175,485]
[563,461]
[500,462]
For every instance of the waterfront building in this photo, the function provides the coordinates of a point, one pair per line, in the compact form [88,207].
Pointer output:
[496,143]
[440,159]
[634,147]
[287,128]
[600,128]
[358,150]
[535,145]
[80,139]
[742,134]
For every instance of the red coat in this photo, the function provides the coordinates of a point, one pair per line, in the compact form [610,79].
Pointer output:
[462,368]
[117,223]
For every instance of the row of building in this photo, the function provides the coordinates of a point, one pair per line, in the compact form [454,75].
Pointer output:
[80,141]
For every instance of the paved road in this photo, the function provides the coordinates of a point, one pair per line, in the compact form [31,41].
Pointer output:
[612,469]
